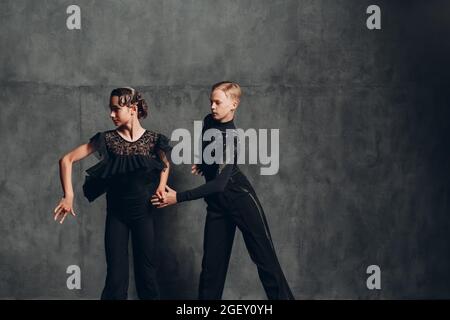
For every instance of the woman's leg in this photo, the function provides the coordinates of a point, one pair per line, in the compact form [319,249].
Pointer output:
[144,258]
[116,248]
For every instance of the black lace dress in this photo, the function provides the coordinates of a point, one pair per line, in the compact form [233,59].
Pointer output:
[128,172]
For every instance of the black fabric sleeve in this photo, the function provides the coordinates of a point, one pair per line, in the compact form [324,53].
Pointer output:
[163,143]
[216,185]
[98,141]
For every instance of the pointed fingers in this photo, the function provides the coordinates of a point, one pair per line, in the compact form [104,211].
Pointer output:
[64,217]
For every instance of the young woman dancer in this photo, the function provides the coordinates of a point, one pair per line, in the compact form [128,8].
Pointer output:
[133,167]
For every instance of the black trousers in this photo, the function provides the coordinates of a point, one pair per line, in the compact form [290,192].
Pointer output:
[117,233]
[238,207]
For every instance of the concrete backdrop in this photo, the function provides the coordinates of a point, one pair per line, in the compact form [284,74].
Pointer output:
[363,118]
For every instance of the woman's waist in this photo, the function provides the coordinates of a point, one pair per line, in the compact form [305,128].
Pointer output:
[129,201]
[124,185]
[130,191]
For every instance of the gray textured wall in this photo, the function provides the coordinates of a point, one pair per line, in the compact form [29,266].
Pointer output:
[363,118]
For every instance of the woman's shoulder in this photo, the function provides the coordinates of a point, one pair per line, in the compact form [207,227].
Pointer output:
[156,135]
[101,133]
[160,140]
[108,132]
[152,134]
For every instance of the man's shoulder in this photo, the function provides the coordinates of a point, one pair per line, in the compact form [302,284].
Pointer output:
[207,118]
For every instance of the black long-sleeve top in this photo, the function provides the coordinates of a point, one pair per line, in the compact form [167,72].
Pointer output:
[216,174]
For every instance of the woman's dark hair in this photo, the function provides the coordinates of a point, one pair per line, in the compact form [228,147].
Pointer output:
[128,96]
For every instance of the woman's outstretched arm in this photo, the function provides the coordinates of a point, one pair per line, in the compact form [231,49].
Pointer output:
[65,174]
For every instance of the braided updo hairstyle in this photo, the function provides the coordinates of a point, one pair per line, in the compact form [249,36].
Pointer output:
[128,96]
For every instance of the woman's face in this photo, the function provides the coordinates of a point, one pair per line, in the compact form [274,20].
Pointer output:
[120,115]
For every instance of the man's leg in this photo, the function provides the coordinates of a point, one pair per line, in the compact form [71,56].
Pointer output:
[250,219]
[217,245]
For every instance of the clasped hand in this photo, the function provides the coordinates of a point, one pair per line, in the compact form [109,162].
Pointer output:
[164,199]
[168,196]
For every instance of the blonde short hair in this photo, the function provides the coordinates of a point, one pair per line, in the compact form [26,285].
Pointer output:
[231,89]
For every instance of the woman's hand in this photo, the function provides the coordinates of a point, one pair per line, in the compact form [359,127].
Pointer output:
[169,199]
[195,170]
[63,208]
[160,192]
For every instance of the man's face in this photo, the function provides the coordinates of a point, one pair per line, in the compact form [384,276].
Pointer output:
[222,106]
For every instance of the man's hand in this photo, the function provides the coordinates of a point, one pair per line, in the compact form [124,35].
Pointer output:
[195,170]
[169,199]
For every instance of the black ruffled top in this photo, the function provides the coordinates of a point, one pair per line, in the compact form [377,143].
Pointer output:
[119,156]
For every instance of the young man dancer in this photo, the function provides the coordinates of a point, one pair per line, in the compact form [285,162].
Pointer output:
[231,201]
